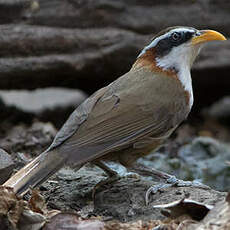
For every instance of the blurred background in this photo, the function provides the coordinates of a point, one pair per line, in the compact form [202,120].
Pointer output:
[86,44]
[55,53]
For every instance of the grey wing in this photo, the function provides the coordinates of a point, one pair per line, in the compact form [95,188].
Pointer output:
[113,133]
[78,117]
[119,119]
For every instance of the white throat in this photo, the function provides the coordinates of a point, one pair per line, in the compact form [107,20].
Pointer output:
[184,76]
[181,58]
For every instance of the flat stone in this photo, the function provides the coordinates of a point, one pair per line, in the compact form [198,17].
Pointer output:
[37,101]
[71,50]
[6,166]
[122,200]
[49,104]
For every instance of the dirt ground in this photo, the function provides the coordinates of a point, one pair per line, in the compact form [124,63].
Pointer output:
[123,201]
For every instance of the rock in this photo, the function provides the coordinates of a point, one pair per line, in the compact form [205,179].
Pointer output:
[219,110]
[30,140]
[49,104]
[6,166]
[79,185]
[123,200]
[40,100]
[87,44]
[203,159]
[81,58]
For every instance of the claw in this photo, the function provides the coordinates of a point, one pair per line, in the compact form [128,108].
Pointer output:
[154,189]
[196,184]
[173,181]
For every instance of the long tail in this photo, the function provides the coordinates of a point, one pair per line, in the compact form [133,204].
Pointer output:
[36,172]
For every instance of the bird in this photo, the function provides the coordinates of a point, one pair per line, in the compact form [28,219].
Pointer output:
[130,117]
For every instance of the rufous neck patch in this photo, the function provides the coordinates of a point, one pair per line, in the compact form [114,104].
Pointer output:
[148,61]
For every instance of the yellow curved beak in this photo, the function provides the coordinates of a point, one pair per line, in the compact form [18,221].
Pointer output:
[206,36]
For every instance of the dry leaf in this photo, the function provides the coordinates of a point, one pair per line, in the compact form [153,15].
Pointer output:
[37,202]
[71,221]
[11,208]
[189,207]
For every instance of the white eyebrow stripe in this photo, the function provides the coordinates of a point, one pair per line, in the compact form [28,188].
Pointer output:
[153,43]
[156,40]
[181,29]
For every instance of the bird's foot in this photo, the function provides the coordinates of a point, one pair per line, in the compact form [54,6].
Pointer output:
[102,183]
[172,181]
[113,175]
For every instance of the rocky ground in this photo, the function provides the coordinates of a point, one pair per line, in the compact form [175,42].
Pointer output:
[198,150]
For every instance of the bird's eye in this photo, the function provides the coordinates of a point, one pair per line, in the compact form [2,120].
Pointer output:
[176,36]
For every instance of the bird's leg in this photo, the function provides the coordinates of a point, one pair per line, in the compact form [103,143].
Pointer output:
[146,171]
[110,172]
[169,180]
[112,176]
